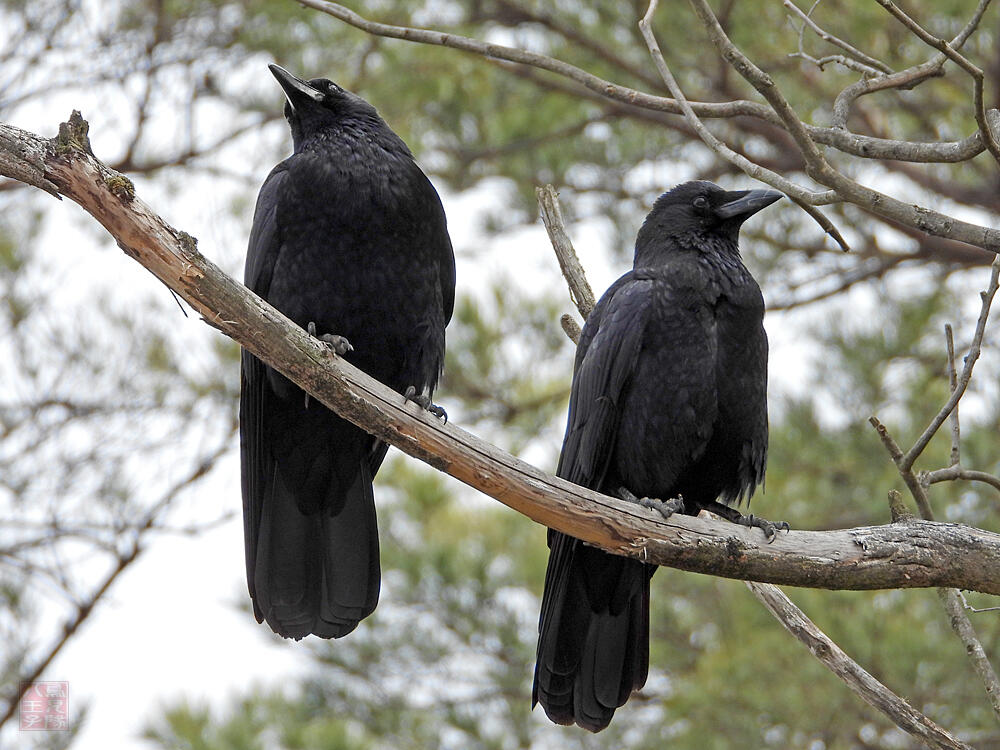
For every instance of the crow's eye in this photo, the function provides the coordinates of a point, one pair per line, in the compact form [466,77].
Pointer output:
[701,203]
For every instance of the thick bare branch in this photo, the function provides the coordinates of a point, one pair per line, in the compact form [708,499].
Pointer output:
[916,554]
[857,678]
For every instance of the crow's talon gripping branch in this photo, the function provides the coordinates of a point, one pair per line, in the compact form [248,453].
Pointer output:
[338,344]
[665,508]
[769,528]
[424,401]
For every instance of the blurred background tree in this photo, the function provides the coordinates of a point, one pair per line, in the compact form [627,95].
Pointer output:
[114,419]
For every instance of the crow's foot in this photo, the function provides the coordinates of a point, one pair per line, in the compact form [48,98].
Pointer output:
[338,344]
[424,402]
[769,528]
[665,508]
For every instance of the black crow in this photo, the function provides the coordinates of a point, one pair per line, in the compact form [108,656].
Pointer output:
[349,241]
[668,407]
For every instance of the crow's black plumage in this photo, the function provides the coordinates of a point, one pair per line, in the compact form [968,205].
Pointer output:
[349,240]
[668,401]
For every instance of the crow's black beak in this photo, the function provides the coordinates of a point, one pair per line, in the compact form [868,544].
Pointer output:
[746,203]
[296,90]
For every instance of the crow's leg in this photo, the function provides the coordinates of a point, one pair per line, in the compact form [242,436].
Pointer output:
[769,528]
[337,344]
[423,400]
[665,508]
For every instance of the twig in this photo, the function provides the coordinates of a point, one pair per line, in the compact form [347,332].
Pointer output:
[953,473]
[842,60]
[869,62]
[904,79]
[975,610]
[963,380]
[961,60]
[570,327]
[956,427]
[856,677]
[579,289]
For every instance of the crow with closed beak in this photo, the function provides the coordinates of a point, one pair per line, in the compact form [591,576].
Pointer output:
[668,408]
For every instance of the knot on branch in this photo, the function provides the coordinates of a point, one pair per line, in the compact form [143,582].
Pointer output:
[73,136]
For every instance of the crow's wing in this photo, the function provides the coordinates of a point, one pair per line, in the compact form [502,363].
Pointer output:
[262,252]
[594,613]
[605,362]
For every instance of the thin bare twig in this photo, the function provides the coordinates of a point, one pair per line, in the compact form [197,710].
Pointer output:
[963,380]
[869,63]
[859,680]
[957,473]
[956,427]
[951,599]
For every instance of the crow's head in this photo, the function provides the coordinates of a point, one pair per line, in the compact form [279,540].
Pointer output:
[700,214]
[311,106]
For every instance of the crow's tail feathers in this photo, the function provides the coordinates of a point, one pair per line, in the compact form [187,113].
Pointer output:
[316,573]
[593,633]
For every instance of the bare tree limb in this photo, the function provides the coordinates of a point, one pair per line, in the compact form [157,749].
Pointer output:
[579,288]
[919,217]
[856,677]
[805,199]
[817,167]
[952,601]
[961,60]
[917,554]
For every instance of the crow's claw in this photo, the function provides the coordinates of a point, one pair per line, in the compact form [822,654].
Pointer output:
[665,508]
[770,529]
[424,402]
[338,344]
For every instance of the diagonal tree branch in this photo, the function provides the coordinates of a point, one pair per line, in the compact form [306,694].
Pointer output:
[857,678]
[817,167]
[916,554]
